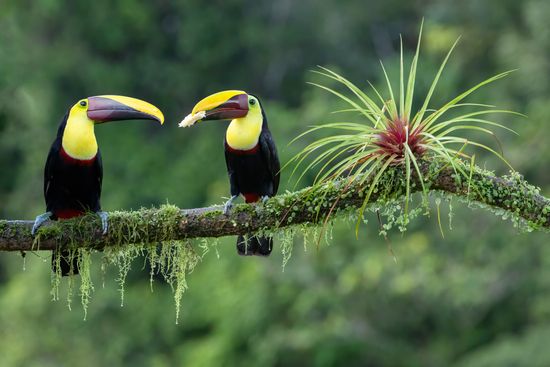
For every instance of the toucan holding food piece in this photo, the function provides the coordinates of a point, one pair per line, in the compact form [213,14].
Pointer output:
[74,172]
[250,154]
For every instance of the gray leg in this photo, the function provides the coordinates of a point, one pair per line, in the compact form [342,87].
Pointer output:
[104,223]
[265,198]
[40,220]
[229,204]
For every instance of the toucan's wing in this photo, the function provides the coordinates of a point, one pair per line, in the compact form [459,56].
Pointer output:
[52,161]
[98,167]
[50,174]
[269,153]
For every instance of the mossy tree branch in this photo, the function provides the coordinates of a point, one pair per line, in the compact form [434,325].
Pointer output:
[309,205]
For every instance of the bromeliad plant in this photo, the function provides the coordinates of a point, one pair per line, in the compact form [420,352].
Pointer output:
[391,135]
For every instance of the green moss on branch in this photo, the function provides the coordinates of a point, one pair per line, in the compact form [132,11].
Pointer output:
[310,205]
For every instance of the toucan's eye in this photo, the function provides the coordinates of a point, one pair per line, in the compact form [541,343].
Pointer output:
[252,102]
[83,103]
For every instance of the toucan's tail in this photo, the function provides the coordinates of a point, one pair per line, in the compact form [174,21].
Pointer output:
[67,266]
[254,245]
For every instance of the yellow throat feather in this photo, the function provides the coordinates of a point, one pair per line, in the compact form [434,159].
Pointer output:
[244,133]
[79,140]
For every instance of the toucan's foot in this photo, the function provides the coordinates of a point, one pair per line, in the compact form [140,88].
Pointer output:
[264,199]
[104,221]
[40,220]
[229,204]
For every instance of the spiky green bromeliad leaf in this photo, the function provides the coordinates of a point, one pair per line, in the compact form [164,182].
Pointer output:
[391,135]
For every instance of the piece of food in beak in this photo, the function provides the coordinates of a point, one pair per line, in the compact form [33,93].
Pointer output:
[191,119]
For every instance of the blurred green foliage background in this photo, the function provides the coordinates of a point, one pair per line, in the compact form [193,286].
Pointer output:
[480,297]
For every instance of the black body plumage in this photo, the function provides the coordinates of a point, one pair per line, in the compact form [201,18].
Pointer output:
[254,174]
[71,188]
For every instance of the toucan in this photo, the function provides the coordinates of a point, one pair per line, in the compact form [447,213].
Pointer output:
[250,154]
[73,173]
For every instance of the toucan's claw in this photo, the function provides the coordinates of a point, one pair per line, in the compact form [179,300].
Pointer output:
[264,199]
[40,219]
[229,204]
[104,221]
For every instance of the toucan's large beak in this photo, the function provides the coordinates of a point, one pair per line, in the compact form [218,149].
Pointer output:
[113,108]
[224,105]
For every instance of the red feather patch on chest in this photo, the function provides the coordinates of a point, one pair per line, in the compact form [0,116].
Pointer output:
[68,213]
[242,152]
[73,161]
[250,197]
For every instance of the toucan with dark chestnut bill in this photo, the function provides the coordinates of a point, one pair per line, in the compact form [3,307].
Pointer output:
[74,172]
[250,154]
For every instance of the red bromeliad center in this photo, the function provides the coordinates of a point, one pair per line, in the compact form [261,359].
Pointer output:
[392,140]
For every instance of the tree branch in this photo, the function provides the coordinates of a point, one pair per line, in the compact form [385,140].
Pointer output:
[309,205]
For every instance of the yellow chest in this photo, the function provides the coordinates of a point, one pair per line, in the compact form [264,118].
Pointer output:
[79,140]
[244,133]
